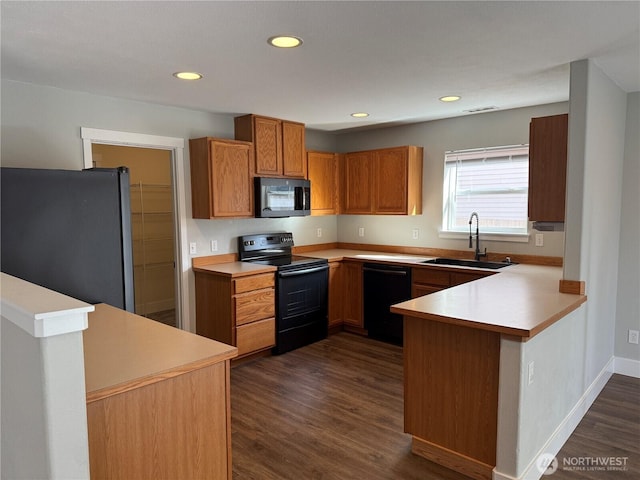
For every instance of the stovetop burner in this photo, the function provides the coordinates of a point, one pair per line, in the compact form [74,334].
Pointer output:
[274,249]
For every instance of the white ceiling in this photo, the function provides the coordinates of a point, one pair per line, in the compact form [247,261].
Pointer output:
[392,59]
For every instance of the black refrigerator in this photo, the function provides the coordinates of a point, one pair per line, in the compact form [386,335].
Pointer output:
[69,231]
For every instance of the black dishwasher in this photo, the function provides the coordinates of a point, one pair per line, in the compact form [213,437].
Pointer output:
[385,285]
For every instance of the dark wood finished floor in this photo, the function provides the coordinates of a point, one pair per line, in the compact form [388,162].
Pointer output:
[168,317]
[334,410]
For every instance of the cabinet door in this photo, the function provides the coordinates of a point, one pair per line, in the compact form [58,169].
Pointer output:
[268,146]
[352,277]
[547,168]
[231,179]
[391,171]
[323,174]
[418,290]
[358,182]
[294,161]
[336,293]
[458,278]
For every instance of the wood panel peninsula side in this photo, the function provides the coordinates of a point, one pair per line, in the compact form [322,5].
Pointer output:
[452,358]
[158,399]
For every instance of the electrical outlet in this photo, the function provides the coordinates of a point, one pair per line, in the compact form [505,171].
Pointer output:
[214,245]
[415,234]
[193,248]
[539,240]
[530,370]
[318,232]
[361,232]
[633,336]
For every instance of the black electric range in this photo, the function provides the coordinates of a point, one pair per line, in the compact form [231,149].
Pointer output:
[302,285]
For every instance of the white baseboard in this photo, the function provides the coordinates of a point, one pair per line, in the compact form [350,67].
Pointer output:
[626,366]
[566,427]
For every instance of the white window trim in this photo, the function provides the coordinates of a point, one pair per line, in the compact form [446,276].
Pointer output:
[514,237]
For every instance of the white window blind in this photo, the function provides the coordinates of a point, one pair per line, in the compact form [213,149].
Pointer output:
[494,182]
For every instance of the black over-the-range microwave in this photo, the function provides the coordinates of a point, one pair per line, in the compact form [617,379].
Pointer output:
[282,197]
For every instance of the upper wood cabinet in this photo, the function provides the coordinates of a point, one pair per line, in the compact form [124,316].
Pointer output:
[322,168]
[548,168]
[384,182]
[221,178]
[279,145]
[358,178]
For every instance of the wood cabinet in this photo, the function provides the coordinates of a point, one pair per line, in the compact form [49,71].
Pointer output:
[358,171]
[279,145]
[352,305]
[427,280]
[221,178]
[158,400]
[322,169]
[451,375]
[239,311]
[336,293]
[383,182]
[548,168]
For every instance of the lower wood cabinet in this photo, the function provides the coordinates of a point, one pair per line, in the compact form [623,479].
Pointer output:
[451,378]
[352,306]
[239,311]
[427,280]
[336,293]
[175,428]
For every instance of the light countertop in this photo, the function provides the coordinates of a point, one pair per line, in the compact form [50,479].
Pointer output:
[519,300]
[123,351]
[235,269]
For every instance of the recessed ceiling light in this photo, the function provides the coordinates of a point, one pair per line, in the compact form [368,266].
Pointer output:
[187,75]
[450,98]
[285,41]
[360,115]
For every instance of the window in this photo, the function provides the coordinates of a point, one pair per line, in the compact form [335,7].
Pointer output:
[494,182]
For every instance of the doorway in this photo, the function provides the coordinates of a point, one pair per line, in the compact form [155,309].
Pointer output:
[152,220]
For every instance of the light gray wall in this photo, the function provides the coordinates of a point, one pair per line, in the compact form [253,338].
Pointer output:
[41,129]
[44,420]
[598,247]
[509,127]
[628,304]
[574,357]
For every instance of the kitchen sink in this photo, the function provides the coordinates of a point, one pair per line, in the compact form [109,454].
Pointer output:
[467,263]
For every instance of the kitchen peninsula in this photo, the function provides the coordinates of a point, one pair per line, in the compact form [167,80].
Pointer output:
[464,346]
[457,343]
[157,399]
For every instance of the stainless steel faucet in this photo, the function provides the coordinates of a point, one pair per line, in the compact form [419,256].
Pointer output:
[478,253]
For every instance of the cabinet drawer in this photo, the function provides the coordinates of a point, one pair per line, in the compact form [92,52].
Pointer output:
[254,305]
[254,282]
[431,277]
[256,336]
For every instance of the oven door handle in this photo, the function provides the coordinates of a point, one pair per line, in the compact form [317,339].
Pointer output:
[295,273]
